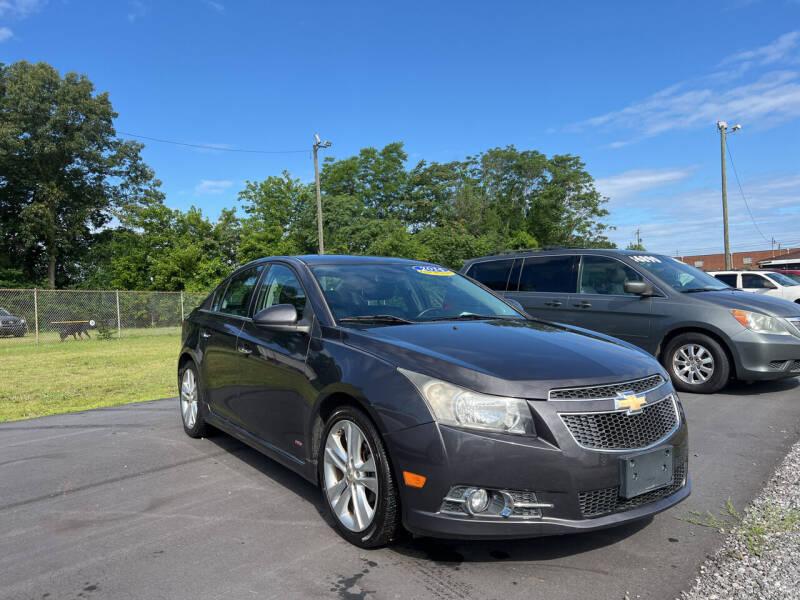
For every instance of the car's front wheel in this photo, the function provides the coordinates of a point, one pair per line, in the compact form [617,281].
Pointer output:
[190,401]
[696,363]
[358,489]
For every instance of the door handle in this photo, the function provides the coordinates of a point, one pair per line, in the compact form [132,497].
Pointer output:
[206,334]
[553,303]
[244,350]
[582,305]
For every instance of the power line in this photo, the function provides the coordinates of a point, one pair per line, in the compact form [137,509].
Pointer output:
[743,196]
[209,147]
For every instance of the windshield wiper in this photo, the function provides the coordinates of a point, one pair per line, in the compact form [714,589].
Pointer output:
[694,290]
[473,317]
[376,319]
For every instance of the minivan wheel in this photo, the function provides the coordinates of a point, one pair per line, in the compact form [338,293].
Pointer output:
[358,490]
[190,402]
[696,363]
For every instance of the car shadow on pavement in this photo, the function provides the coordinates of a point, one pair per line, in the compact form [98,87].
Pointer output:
[754,388]
[454,552]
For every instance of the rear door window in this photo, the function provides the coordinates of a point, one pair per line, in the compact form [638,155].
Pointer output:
[555,274]
[729,278]
[493,274]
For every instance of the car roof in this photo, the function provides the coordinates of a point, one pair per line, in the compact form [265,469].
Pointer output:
[507,254]
[341,259]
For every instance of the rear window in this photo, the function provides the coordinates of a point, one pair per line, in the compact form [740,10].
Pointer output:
[550,274]
[729,278]
[493,274]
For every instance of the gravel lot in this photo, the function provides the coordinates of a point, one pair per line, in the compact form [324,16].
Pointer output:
[738,571]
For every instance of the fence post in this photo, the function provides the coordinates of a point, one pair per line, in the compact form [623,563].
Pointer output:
[36,312]
[181,306]
[119,326]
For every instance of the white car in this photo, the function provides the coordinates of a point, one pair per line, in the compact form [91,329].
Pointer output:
[761,282]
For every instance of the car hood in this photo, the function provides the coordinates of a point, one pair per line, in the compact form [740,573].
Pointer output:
[776,307]
[505,357]
[10,318]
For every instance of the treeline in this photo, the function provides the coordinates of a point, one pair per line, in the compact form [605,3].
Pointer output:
[79,208]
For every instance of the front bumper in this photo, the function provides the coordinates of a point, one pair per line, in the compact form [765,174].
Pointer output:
[15,329]
[763,357]
[553,466]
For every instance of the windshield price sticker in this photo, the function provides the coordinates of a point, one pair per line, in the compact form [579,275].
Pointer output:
[641,258]
[440,271]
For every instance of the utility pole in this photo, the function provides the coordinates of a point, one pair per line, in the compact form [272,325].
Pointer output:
[723,131]
[638,237]
[318,143]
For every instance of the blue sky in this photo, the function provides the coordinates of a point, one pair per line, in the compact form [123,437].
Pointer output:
[634,88]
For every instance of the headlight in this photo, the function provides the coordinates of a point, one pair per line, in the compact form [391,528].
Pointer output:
[22,321]
[454,405]
[759,323]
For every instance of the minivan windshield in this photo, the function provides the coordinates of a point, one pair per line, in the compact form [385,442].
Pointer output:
[680,276]
[781,278]
[392,294]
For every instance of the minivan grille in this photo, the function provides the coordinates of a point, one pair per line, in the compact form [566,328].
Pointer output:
[597,392]
[617,430]
[600,502]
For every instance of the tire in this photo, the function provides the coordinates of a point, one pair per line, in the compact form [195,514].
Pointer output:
[696,363]
[190,401]
[340,480]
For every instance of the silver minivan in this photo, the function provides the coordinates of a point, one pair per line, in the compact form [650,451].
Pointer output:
[703,331]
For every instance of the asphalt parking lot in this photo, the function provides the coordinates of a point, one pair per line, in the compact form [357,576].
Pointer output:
[119,503]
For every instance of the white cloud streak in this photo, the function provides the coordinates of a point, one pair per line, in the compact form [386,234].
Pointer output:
[638,180]
[778,50]
[210,187]
[5,34]
[19,9]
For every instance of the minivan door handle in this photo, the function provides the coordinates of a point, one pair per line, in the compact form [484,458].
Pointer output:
[206,334]
[583,304]
[553,303]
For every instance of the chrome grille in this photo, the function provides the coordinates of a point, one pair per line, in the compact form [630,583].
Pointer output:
[617,430]
[600,502]
[599,392]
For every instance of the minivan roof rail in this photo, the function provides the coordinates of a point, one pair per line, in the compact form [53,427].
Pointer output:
[524,250]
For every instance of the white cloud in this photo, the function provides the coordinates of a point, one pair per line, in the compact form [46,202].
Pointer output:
[138,10]
[771,99]
[5,33]
[217,6]
[19,9]
[638,180]
[778,50]
[212,187]
[691,221]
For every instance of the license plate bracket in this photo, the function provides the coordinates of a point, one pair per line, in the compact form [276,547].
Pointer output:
[641,473]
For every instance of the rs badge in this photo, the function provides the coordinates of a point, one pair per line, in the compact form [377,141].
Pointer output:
[630,400]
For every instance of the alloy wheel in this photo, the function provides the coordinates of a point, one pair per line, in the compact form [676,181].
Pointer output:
[693,363]
[189,398]
[350,476]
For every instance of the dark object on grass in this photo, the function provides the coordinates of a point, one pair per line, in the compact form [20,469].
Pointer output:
[76,329]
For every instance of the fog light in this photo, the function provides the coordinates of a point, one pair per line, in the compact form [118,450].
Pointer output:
[477,501]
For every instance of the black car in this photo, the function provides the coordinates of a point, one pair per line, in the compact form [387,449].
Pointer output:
[413,396]
[12,324]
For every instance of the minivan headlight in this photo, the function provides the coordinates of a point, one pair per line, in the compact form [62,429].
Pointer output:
[453,405]
[760,323]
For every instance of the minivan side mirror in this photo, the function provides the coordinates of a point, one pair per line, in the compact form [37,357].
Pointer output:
[640,288]
[280,317]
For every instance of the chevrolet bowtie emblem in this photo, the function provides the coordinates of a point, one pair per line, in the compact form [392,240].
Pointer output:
[633,402]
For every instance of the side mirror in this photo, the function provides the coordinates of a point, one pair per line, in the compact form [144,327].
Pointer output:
[280,317]
[640,288]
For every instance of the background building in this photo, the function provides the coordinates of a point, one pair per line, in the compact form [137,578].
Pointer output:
[744,260]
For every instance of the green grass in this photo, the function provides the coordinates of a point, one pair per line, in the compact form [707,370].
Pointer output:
[58,378]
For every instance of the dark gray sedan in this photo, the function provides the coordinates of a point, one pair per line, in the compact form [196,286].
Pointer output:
[12,324]
[414,397]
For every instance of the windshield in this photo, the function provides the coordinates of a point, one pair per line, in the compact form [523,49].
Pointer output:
[404,292]
[792,276]
[679,275]
[781,279]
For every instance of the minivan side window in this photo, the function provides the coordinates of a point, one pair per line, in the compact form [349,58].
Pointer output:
[236,299]
[729,278]
[602,275]
[493,273]
[550,274]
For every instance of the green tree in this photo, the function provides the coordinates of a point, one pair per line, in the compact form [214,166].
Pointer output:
[636,246]
[62,169]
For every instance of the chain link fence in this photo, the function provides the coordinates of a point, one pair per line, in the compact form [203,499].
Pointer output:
[43,316]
